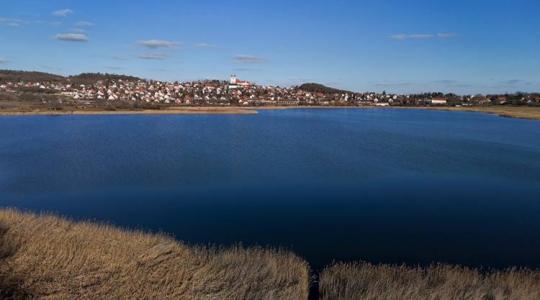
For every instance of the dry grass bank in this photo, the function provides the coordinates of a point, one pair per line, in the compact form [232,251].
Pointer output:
[521,112]
[50,258]
[367,281]
[165,111]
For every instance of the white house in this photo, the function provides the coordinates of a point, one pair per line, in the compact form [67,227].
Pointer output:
[438,101]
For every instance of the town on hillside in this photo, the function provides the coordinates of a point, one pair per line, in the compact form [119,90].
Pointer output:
[106,90]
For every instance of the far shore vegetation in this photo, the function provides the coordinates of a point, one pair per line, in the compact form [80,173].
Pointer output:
[520,112]
[47,257]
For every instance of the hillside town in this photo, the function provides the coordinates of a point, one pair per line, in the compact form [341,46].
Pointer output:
[115,90]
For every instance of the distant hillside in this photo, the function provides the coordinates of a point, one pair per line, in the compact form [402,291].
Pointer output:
[319,88]
[10,75]
[89,78]
[84,78]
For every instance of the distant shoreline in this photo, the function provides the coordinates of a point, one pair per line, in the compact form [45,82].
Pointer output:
[166,111]
[520,112]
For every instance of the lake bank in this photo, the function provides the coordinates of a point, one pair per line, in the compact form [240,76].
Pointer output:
[167,111]
[520,112]
[367,281]
[47,256]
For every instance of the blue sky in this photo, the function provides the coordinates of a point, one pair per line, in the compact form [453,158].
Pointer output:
[464,46]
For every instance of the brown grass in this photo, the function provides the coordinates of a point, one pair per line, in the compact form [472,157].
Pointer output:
[22,111]
[367,281]
[47,257]
[521,112]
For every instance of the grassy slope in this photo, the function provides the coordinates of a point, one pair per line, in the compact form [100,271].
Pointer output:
[48,257]
[366,281]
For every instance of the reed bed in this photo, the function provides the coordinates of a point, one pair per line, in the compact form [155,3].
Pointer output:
[441,282]
[46,257]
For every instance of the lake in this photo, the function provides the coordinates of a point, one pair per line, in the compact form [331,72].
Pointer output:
[380,185]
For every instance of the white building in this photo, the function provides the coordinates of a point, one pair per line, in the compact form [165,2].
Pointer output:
[438,101]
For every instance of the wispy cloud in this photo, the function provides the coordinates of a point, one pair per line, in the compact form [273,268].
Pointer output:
[114,67]
[450,83]
[63,12]
[153,56]
[204,45]
[415,36]
[118,57]
[72,37]
[154,44]
[422,36]
[247,69]
[514,82]
[12,22]
[446,35]
[84,24]
[78,30]
[249,59]
[3,61]
[386,84]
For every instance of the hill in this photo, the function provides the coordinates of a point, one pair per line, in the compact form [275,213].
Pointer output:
[13,76]
[89,78]
[319,88]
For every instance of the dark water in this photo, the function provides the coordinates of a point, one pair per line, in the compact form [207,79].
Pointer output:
[396,186]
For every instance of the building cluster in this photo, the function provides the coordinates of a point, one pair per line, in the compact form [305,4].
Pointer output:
[236,92]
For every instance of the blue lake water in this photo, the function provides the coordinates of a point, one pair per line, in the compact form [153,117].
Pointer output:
[393,186]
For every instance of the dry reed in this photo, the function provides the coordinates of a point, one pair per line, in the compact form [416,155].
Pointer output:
[441,282]
[46,257]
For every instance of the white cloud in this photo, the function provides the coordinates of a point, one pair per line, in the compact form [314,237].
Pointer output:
[63,12]
[153,56]
[154,44]
[249,59]
[72,37]
[422,36]
[3,61]
[415,36]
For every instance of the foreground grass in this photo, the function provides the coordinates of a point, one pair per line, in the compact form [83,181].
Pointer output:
[367,281]
[47,257]
[51,258]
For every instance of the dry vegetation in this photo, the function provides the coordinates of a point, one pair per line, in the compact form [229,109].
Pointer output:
[46,257]
[37,110]
[521,112]
[366,281]
[50,258]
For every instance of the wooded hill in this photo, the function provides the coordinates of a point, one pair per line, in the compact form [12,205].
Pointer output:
[319,88]
[84,78]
